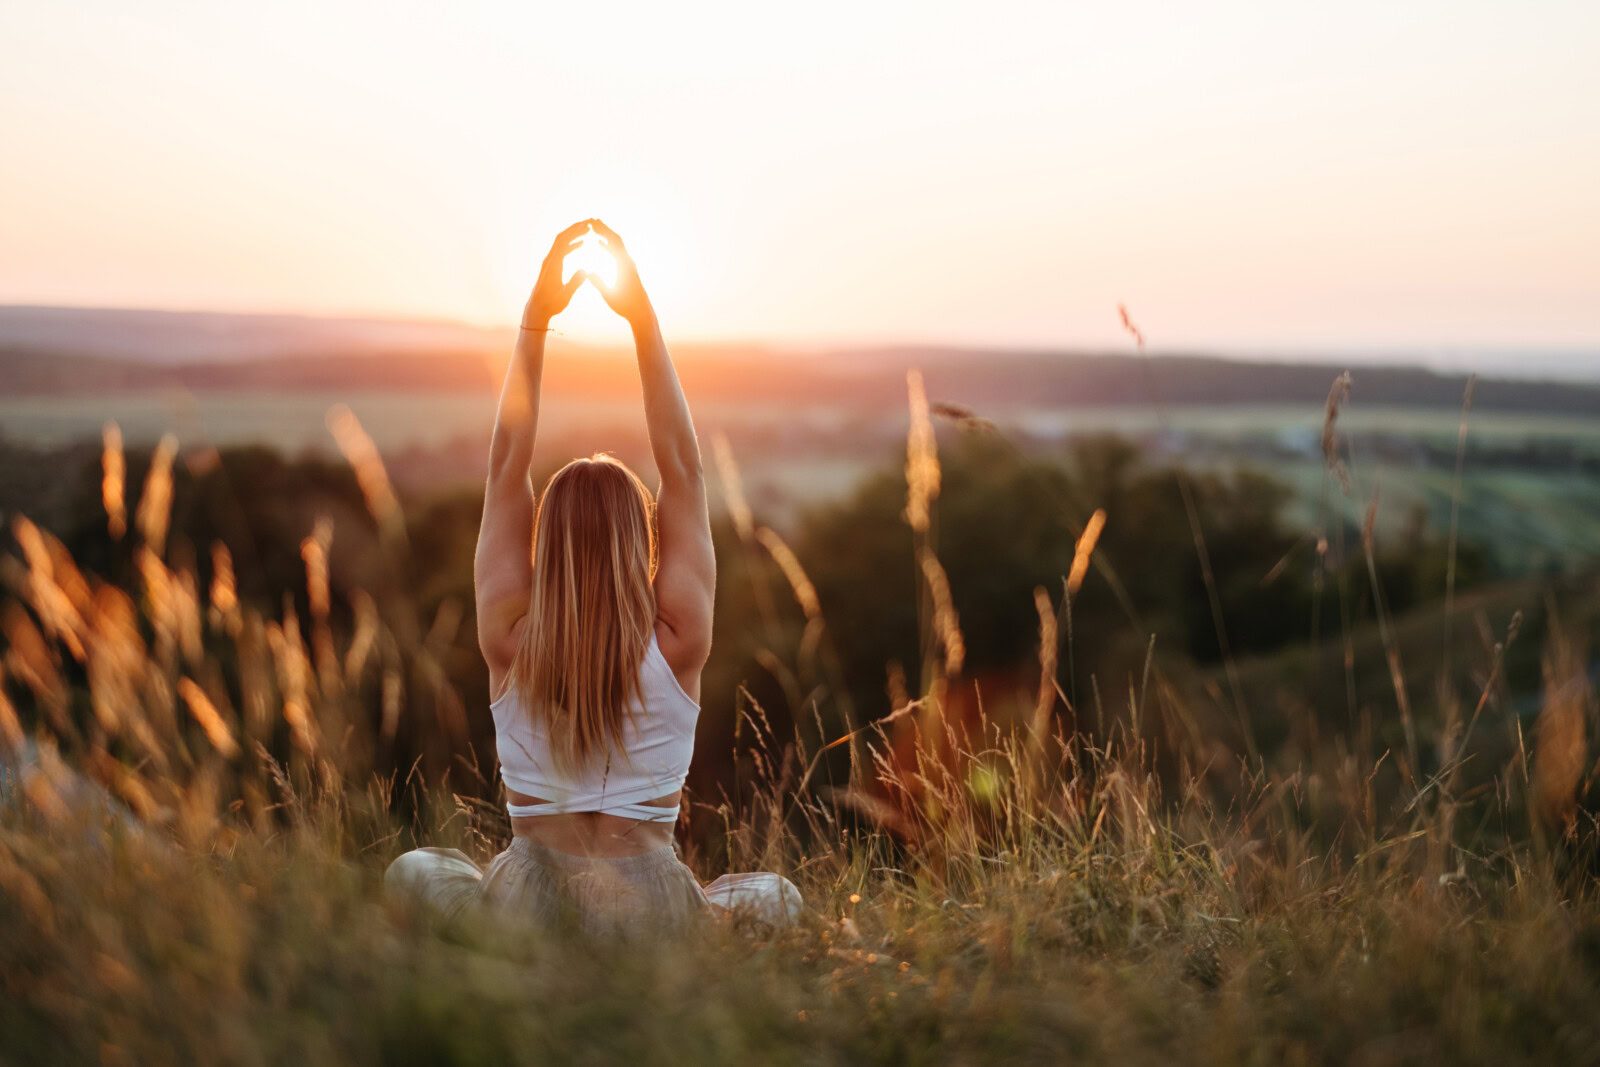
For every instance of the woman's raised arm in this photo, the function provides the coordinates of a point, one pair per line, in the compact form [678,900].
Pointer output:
[686,578]
[502,570]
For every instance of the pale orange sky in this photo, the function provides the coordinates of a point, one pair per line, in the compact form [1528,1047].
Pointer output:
[1256,174]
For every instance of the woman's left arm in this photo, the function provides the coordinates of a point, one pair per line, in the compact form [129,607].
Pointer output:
[502,570]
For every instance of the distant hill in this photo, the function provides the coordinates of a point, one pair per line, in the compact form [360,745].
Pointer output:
[55,351]
[172,337]
[1102,380]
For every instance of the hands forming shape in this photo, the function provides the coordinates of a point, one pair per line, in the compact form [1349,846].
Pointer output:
[552,294]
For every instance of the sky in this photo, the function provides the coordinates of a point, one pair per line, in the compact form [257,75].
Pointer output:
[1383,176]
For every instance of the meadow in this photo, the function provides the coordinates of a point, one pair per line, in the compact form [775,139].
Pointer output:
[1376,846]
[1527,493]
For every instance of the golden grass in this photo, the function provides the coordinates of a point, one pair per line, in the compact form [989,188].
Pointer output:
[155,500]
[1083,551]
[364,459]
[1561,743]
[189,864]
[113,480]
[922,457]
[732,488]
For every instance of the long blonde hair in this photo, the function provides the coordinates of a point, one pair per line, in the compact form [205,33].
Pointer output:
[591,609]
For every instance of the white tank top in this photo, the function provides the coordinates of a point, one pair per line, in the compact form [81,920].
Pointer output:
[658,742]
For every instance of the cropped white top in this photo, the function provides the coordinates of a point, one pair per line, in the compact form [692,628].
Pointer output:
[658,742]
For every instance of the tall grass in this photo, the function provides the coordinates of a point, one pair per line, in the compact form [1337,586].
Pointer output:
[198,810]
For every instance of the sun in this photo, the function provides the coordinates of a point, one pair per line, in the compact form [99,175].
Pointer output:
[656,221]
[592,257]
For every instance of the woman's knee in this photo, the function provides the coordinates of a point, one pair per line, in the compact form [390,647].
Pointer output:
[771,898]
[407,872]
[422,868]
[787,901]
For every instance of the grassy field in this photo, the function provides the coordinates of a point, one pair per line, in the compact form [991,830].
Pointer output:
[1090,931]
[200,800]
[1531,520]
[1535,517]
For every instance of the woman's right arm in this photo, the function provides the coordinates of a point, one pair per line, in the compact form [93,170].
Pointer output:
[502,570]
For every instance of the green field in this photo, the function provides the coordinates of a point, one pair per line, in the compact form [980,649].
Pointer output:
[1532,520]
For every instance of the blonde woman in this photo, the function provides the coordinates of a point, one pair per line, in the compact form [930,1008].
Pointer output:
[595,640]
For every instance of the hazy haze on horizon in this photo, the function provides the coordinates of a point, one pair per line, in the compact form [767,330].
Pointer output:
[188,337]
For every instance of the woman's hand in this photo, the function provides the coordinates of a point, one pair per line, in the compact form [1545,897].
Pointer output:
[551,295]
[626,295]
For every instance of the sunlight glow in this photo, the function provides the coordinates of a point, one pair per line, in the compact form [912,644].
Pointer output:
[593,258]
[664,220]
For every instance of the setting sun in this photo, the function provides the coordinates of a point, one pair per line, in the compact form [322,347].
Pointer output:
[592,257]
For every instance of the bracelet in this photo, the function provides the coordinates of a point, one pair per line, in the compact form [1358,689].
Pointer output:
[537,329]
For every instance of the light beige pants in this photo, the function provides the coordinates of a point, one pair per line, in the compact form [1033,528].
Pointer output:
[650,892]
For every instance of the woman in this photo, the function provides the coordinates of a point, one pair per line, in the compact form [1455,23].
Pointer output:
[595,643]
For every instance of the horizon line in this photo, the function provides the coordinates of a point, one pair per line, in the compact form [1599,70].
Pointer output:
[1243,351]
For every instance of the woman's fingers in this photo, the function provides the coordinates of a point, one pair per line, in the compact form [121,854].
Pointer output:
[558,255]
[609,236]
[559,293]
[565,242]
[569,237]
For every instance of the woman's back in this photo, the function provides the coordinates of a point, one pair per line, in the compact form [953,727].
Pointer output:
[629,783]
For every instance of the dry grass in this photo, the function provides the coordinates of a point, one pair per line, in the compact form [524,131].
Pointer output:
[194,828]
